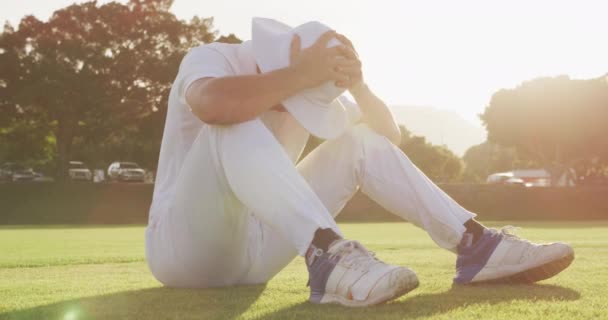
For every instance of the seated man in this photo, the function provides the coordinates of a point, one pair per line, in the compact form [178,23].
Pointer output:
[232,207]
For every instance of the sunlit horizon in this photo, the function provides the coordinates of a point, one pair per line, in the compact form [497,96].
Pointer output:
[448,55]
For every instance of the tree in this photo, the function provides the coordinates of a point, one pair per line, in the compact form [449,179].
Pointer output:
[488,158]
[26,143]
[437,162]
[96,77]
[554,122]
[231,38]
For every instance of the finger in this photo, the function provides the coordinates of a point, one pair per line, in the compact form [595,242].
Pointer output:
[347,42]
[348,83]
[338,62]
[342,52]
[340,85]
[342,38]
[347,52]
[344,84]
[349,71]
[347,63]
[334,52]
[295,47]
[324,39]
[339,77]
[347,78]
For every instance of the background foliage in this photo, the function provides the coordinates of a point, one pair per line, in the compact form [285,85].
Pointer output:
[92,84]
[554,123]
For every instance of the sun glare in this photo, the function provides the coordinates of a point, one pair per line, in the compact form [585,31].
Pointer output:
[446,54]
[71,315]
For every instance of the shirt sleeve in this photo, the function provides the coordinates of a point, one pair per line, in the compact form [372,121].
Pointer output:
[353,110]
[200,62]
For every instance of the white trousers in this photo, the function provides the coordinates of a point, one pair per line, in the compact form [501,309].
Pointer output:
[242,210]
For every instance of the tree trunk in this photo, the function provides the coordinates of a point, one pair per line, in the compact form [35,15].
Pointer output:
[64,138]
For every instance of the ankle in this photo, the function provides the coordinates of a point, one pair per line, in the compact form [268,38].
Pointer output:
[312,254]
[474,229]
[323,238]
[321,242]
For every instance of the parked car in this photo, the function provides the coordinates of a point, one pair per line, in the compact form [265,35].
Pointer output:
[40,177]
[506,178]
[15,172]
[126,171]
[515,182]
[77,170]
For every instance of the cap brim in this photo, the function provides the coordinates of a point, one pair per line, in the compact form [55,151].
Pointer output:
[323,121]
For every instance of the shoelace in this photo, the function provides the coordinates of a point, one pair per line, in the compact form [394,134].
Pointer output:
[354,255]
[509,233]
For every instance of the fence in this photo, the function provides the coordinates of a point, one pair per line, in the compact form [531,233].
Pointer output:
[114,203]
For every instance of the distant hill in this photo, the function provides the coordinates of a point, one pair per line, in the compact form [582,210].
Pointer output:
[441,127]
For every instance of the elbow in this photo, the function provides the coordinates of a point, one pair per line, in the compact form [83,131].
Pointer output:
[220,111]
[205,102]
[204,111]
[214,104]
[209,109]
[206,114]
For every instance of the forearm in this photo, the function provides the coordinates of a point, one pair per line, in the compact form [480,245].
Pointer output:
[376,114]
[235,99]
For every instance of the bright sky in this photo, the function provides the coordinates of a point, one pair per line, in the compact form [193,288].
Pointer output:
[447,54]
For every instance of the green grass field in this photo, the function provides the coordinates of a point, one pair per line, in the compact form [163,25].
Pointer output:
[99,273]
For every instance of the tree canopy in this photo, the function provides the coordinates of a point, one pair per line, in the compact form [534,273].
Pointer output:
[487,158]
[93,80]
[552,121]
[92,84]
[437,162]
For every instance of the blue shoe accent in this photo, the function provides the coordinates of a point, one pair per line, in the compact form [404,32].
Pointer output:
[472,258]
[318,273]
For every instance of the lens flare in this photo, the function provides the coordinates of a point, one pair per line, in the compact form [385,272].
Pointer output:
[71,315]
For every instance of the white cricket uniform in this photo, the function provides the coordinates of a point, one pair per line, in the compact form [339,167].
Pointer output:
[231,206]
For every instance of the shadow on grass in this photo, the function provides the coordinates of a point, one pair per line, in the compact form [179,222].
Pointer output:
[154,303]
[426,305]
[229,303]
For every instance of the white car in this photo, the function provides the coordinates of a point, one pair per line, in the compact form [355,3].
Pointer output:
[15,172]
[77,170]
[506,178]
[126,171]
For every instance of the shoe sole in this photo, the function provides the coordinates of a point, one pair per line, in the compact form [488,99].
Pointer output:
[535,274]
[334,299]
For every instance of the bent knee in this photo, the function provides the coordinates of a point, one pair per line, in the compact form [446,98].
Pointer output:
[245,135]
[242,130]
[361,134]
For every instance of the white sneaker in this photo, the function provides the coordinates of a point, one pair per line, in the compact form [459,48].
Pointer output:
[350,275]
[500,256]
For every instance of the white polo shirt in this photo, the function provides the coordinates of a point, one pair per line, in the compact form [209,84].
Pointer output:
[182,126]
